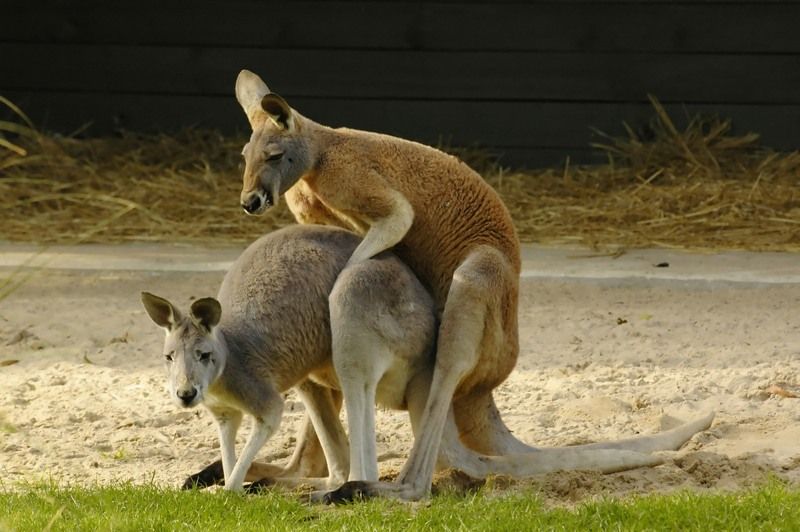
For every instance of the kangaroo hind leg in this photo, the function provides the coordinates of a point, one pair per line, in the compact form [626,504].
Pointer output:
[471,324]
[382,326]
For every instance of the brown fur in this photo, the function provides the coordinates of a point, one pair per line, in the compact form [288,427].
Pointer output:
[441,218]
[350,181]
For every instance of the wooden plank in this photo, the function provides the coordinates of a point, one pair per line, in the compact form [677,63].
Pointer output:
[417,75]
[744,26]
[500,125]
[534,157]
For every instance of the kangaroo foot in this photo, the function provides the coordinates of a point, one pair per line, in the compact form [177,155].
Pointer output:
[258,485]
[354,490]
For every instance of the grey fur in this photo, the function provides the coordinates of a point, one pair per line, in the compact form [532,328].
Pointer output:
[274,333]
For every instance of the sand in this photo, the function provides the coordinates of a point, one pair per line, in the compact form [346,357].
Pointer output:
[83,397]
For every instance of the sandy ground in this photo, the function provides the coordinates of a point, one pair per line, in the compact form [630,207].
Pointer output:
[609,348]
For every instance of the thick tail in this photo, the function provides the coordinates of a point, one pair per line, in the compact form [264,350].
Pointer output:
[669,440]
[483,430]
[453,453]
[606,457]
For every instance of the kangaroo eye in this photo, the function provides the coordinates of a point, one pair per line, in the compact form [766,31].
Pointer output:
[275,157]
[168,356]
[204,356]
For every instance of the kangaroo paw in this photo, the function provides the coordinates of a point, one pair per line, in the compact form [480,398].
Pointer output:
[209,476]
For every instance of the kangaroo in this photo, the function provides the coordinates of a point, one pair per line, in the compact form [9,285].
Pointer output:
[451,228]
[288,314]
[270,330]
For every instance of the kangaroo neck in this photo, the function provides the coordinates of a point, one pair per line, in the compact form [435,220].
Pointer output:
[222,353]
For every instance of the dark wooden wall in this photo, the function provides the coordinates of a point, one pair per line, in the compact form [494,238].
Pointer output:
[527,79]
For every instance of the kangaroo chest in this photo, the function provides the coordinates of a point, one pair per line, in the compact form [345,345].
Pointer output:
[308,207]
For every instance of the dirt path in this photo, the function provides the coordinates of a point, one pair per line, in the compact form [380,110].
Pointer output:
[601,358]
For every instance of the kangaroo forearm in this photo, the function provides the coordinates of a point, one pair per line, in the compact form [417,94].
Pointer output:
[385,232]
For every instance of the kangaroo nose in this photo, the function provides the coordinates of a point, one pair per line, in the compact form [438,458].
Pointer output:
[252,204]
[187,396]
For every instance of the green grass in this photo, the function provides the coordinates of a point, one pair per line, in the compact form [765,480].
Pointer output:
[770,507]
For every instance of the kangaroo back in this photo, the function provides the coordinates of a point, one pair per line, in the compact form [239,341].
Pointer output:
[275,301]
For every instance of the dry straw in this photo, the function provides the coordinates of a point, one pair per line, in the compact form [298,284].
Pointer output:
[698,188]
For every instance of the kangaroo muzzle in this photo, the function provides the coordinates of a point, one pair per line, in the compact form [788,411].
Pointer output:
[257,201]
[187,396]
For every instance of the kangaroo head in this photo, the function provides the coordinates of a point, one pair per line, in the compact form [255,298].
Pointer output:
[193,354]
[277,154]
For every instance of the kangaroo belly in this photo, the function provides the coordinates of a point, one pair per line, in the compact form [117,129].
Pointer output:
[325,377]
[391,392]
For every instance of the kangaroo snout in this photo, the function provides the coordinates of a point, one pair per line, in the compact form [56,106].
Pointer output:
[187,396]
[257,201]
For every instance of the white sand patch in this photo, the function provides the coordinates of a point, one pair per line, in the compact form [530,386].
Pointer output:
[600,359]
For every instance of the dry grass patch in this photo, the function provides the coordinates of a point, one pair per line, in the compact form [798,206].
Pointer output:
[696,188]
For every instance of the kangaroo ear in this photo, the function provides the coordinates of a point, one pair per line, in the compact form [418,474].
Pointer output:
[206,312]
[250,89]
[161,311]
[277,109]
